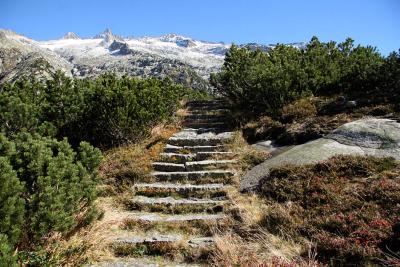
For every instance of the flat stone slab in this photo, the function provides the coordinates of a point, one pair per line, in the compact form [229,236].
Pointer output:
[220,111]
[201,241]
[168,166]
[176,157]
[202,116]
[159,217]
[369,133]
[150,239]
[180,186]
[205,148]
[373,137]
[140,262]
[173,201]
[194,174]
[214,154]
[207,126]
[192,138]
[199,165]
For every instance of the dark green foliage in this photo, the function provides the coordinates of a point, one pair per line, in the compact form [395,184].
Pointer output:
[6,253]
[11,203]
[105,111]
[347,205]
[261,83]
[49,171]
[58,185]
[256,81]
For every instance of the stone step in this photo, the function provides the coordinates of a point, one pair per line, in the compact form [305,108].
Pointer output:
[147,261]
[217,100]
[180,190]
[193,165]
[221,111]
[214,130]
[208,107]
[208,164]
[171,218]
[205,117]
[206,104]
[182,247]
[192,138]
[190,149]
[217,155]
[168,167]
[216,176]
[198,156]
[191,223]
[162,238]
[214,123]
[176,206]
[215,126]
[176,157]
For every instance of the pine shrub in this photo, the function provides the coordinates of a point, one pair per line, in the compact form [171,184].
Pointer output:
[261,83]
[58,185]
[7,258]
[105,111]
[11,203]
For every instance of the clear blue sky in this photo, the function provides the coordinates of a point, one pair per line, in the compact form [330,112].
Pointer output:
[374,22]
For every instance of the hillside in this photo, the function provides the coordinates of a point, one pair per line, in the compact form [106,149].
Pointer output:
[184,59]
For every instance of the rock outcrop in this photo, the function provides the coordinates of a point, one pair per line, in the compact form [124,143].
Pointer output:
[375,137]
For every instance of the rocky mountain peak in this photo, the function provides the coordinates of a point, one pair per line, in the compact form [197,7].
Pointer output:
[178,39]
[70,35]
[108,37]
[104,34]
[172,37]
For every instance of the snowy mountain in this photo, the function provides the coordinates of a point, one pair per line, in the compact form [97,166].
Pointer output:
[186,60]
[24,57]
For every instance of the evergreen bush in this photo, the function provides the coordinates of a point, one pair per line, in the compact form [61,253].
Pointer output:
[45,185]
[105,111]
[258,82]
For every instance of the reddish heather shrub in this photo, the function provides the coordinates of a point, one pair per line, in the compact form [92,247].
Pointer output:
[349,206]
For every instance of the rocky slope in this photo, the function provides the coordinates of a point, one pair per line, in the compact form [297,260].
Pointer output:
[21,56]
[184,59]
[365,137]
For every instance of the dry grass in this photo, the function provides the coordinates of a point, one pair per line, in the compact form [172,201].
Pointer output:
[120,168]
[300,109]
[184,193]
[130,163]
[88,244]
[262,249]
[193,227]
[247,243]
[246,156]
[182,112]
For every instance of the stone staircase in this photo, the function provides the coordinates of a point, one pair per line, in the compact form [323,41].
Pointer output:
[187,197]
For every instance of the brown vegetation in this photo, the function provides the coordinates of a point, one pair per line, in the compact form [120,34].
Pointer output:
[348,206]
[311,118]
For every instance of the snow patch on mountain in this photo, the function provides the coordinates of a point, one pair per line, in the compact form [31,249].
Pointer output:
[187,60]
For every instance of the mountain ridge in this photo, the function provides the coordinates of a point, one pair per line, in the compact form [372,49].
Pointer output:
[184,59]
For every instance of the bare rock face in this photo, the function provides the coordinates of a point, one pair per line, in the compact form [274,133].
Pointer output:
[23,57]
[120,47]
[187,61]
[145,57]
[374,137]
[70,35]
